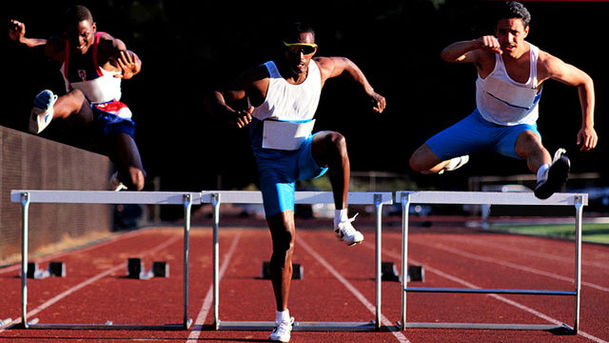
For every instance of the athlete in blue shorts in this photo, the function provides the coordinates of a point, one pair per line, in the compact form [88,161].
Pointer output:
[511,72]
[284,94]
[92,64]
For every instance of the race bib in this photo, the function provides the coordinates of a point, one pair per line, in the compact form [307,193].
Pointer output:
[283,135]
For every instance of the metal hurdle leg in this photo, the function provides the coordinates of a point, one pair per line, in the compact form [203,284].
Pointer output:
[215,203]
[187,208]
[405,200]
[25,205]
[378,203]
[579,209]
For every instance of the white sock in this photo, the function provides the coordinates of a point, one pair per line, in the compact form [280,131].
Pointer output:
[282,316]
[340,216]
[542,172]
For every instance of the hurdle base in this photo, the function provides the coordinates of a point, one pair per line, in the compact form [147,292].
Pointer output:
[297,326]
[107,326]
[554,328]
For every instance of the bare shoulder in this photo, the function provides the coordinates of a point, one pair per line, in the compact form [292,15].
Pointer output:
[107,41]
[549,65]
[329,63]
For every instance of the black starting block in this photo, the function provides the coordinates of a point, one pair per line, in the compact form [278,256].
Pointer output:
[297,271]
[416,273]
[390,273]
[54,269]
[136,270]
[160,269]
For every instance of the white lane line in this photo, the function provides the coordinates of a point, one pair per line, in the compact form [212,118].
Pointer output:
[458,280]
[207,303]
[510,265]
[398,334]
[87,282]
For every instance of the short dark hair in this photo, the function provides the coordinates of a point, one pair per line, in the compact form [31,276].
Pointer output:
[513,9]
[76,14]
[292,31]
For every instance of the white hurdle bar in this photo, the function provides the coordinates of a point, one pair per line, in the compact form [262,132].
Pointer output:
[26,197]
[492,198]
[215,198]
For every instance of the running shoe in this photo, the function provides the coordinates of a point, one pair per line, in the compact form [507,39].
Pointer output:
[115,183]
[455,163]
[283,331]
[556,176]
[347,233]
[42,112]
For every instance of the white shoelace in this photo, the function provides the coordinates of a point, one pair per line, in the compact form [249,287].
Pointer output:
[283,328]
[346,226]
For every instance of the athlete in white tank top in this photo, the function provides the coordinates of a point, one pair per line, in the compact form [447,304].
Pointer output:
[285,94]
[508,88]
[504,101]
[288,102]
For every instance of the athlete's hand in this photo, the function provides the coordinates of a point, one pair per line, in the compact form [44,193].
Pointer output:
[16,30]
[587,139]
[128,64]
[490,44]
[243,117]
[378,102]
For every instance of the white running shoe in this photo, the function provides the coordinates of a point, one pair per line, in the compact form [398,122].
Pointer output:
[42,112]
[455,163]
[347,233]
[283,331]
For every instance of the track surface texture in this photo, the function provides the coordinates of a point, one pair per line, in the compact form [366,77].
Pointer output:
[338,285]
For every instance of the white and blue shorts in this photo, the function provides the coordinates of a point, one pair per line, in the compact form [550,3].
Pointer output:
[279,170]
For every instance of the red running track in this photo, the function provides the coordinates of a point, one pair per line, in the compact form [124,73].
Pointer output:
[338,285]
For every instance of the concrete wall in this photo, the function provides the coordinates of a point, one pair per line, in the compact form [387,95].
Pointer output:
[32,162]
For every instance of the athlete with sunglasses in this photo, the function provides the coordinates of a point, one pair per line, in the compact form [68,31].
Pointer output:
[282,97]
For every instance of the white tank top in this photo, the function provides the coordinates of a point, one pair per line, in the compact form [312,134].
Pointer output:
[98,85]
[288,102]
[504,101]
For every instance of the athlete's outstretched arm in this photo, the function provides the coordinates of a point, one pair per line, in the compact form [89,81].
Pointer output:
[335,66]
[50,47]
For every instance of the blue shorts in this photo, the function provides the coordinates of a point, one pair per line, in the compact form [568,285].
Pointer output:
[279,170]
[475,134]
[108,121]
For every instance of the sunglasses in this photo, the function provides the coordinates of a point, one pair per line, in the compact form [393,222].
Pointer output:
[305,48]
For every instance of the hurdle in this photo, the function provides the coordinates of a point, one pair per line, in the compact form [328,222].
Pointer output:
[492,198]
[215,198]
[27,197]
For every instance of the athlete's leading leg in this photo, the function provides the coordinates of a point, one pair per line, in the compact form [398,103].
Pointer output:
[47,106]
[424,161]
[329,149]
[551,173]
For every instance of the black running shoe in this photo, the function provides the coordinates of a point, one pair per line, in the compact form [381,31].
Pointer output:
[557,176]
